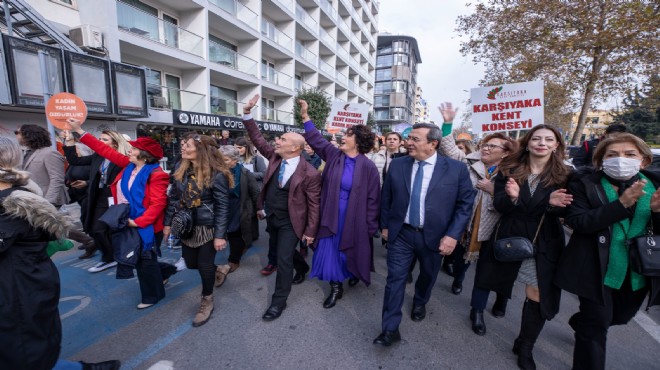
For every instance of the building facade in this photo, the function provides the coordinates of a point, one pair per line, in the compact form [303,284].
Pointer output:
[422,114]
[211,56]
[395,80]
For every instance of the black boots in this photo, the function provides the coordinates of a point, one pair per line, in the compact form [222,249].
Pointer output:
[499,307]
[336,292]
[478,323]
[530,328]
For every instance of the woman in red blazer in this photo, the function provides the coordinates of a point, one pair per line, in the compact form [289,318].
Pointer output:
[143,185]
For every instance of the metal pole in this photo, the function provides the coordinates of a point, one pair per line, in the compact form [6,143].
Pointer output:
[10,29]
[45,83]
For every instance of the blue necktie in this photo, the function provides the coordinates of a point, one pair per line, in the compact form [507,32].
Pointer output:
[280,176]
[414,216]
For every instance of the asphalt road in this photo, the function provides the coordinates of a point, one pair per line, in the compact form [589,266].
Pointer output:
[101,322]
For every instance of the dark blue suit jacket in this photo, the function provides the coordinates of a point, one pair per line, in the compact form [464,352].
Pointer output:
[448,204]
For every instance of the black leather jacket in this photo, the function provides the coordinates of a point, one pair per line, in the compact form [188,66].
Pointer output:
[214,210]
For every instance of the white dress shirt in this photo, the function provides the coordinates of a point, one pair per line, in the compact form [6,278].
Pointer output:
[429,167]
[290,168]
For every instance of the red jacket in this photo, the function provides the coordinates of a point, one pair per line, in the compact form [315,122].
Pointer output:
[155,195]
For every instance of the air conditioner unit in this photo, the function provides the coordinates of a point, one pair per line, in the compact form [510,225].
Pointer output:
[87,36]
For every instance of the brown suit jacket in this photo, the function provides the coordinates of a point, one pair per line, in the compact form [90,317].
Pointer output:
[305,186]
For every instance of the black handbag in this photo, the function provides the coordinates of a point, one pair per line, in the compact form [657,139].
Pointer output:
[182,224]
[515,248]
[644,252]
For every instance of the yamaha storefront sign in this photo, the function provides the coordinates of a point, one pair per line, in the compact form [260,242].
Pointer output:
[204,120]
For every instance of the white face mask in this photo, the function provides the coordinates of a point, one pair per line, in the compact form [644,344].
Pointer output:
[621,168]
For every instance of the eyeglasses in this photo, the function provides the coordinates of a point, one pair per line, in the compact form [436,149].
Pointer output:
[17,132]
[491,146]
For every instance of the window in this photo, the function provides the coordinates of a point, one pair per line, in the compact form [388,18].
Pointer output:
[170,31]
[382,114]
[163,94]
[401,59]
[400,46]
[385,50]
[223,101]
[382,100]
[384,61]
[268,71]
[384,74]
[399,86]
[267,109]
[222,52]
[383,87]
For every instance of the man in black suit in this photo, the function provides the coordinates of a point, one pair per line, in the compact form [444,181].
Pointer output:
[426,205]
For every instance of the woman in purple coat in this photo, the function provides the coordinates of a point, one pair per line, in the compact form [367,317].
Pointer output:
[350,199]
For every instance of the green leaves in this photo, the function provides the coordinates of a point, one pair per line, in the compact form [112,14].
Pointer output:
[319,106]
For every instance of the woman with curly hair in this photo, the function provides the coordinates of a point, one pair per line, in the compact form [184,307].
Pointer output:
[350,200]
[201,184]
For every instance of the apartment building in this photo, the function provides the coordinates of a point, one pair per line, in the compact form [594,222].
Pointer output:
[204,59]
[396,80]
[422,114]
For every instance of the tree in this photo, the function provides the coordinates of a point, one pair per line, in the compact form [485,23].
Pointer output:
[641,110]
[586,50]
[319,106]
[371,122]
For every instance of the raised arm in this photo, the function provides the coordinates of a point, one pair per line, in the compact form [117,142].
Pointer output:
[253,131]
[448,144]
[97,146]
[314,138]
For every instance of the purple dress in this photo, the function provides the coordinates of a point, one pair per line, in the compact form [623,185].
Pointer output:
[329,263]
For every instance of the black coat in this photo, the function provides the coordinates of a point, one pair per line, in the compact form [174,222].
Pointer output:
[214,210]
[94,162]
[584,263]
[30,328]
[523,220]
[246,206]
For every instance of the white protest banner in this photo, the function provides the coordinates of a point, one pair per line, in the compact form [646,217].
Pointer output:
[344,115]
[509,107]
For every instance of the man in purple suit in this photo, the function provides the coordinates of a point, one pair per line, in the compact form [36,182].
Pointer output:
[289,200]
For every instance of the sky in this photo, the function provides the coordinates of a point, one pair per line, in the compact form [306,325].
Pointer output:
[444,74]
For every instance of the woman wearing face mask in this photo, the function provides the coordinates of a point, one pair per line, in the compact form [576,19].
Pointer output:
[615,203]
[529,195]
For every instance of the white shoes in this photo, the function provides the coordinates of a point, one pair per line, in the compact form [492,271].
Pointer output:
[102,266]
[144,305]
[180,264]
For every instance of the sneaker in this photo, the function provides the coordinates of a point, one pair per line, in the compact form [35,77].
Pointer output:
[105,365]
[269,269]
[180,264]
[102,266]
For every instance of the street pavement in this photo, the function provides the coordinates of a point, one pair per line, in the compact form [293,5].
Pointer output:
[101,322]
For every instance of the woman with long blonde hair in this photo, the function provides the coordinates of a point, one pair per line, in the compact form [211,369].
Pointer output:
[201,185]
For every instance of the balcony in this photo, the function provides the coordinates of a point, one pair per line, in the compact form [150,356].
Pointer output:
[272,33]
[329,40]
[238,10]
[279,78]
[341,78]
[343,53]
[326,68]
[299,85]
[284,4]
[327,7]
[145,25]
[231,59]
[304,18]
[226,107]
[168,98]
[275,115]
[304,53]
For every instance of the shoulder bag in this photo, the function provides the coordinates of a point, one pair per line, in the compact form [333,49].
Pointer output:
[516,248]
[644,252]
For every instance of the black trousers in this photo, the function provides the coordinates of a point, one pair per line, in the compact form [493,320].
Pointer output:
[284,240]
[202,259]
[400,254]
[594,319]
[151,273]
[100,231]
[236,246]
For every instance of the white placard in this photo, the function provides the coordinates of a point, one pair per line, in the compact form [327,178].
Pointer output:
[509,107]
[344,115]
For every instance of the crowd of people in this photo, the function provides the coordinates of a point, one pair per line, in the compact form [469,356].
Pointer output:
[431,198]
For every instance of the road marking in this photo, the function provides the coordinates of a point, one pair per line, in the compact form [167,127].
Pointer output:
[647,323]
[84,302]
[156,346]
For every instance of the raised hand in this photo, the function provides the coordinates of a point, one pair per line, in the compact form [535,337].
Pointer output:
[512,189]
[247,108]
[75,125]
[631,195]
[560,198]
[303,110]
[448,112]
[655,201]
